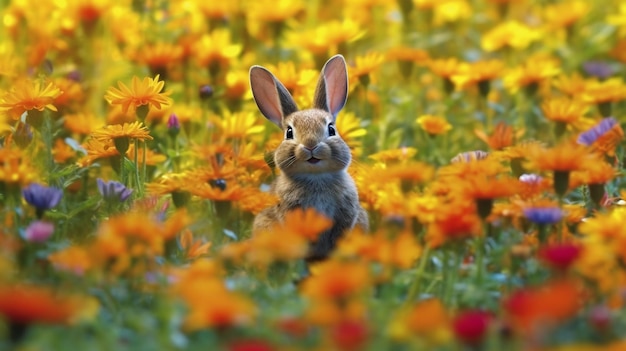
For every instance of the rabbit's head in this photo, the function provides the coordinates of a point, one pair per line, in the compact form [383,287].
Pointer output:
[311,142]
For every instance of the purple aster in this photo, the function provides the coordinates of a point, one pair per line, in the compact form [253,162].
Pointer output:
[113,191]
[598,69]
[589,137]
[543,215]
[42,197]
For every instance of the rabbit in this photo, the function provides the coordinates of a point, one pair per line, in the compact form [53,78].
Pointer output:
[312,158]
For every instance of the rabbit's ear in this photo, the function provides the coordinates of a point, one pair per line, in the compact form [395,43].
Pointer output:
[270,95]
[332,88]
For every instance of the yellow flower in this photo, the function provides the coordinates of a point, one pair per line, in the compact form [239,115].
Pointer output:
[15,169]
[141,93]
[609,228]
[573,85]
[564,110]
[529,75]
[239,125]
[393,155]
[477,72]
[619,19]
[511,34]
[610,90]
[218,9]
[273,11]
[159,56]
[364,66]
[26,95]
[427,319]
[434,125]
[349,127]
[451,11]
[135,130]
[326,38]
[216,50]
[565,14]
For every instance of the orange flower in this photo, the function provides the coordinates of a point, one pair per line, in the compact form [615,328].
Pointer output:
[501,137]
[28,304]
[159,56]
[26,95]
[564,110]
[573,85]
[433,125]
[427,319]
[561,160]
[335,279]
[81,123]
[566,156]
[231,309]
[193,248]
[532,310]
[120,135]
[15,169]
[144,93]
[454,222]
[307,223]
[75,259]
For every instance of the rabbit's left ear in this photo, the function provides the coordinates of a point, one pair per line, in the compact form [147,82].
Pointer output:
[331,92]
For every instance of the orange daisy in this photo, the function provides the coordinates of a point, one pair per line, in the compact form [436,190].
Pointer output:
[27,95]
[141,93]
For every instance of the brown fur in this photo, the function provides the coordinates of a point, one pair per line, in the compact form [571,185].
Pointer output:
[325,185]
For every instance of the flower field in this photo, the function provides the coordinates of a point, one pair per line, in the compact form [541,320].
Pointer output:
[486,143]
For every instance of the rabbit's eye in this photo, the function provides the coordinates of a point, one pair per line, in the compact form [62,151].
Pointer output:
[289,133]
[331,130]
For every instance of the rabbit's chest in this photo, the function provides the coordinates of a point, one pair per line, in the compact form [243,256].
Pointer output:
[332,197]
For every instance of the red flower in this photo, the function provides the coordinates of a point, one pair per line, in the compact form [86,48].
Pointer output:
[470,327]
[560,256]
[350,335]
[250,345]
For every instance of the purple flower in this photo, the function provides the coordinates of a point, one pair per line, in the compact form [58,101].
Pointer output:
[589,137]
[113,191]
[598,69]
[205,92]
[173,122]
[42,197]
[38,231]
[543,215]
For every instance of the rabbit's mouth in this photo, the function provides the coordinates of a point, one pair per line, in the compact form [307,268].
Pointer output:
[313,160]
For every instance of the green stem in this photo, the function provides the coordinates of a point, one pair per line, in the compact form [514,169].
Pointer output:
[480,257]
[46,134]
[144,170]
[452,269]
[418,275]
[137,181]
[122,173]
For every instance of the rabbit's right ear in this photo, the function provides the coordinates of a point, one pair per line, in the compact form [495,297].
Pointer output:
[271,96]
